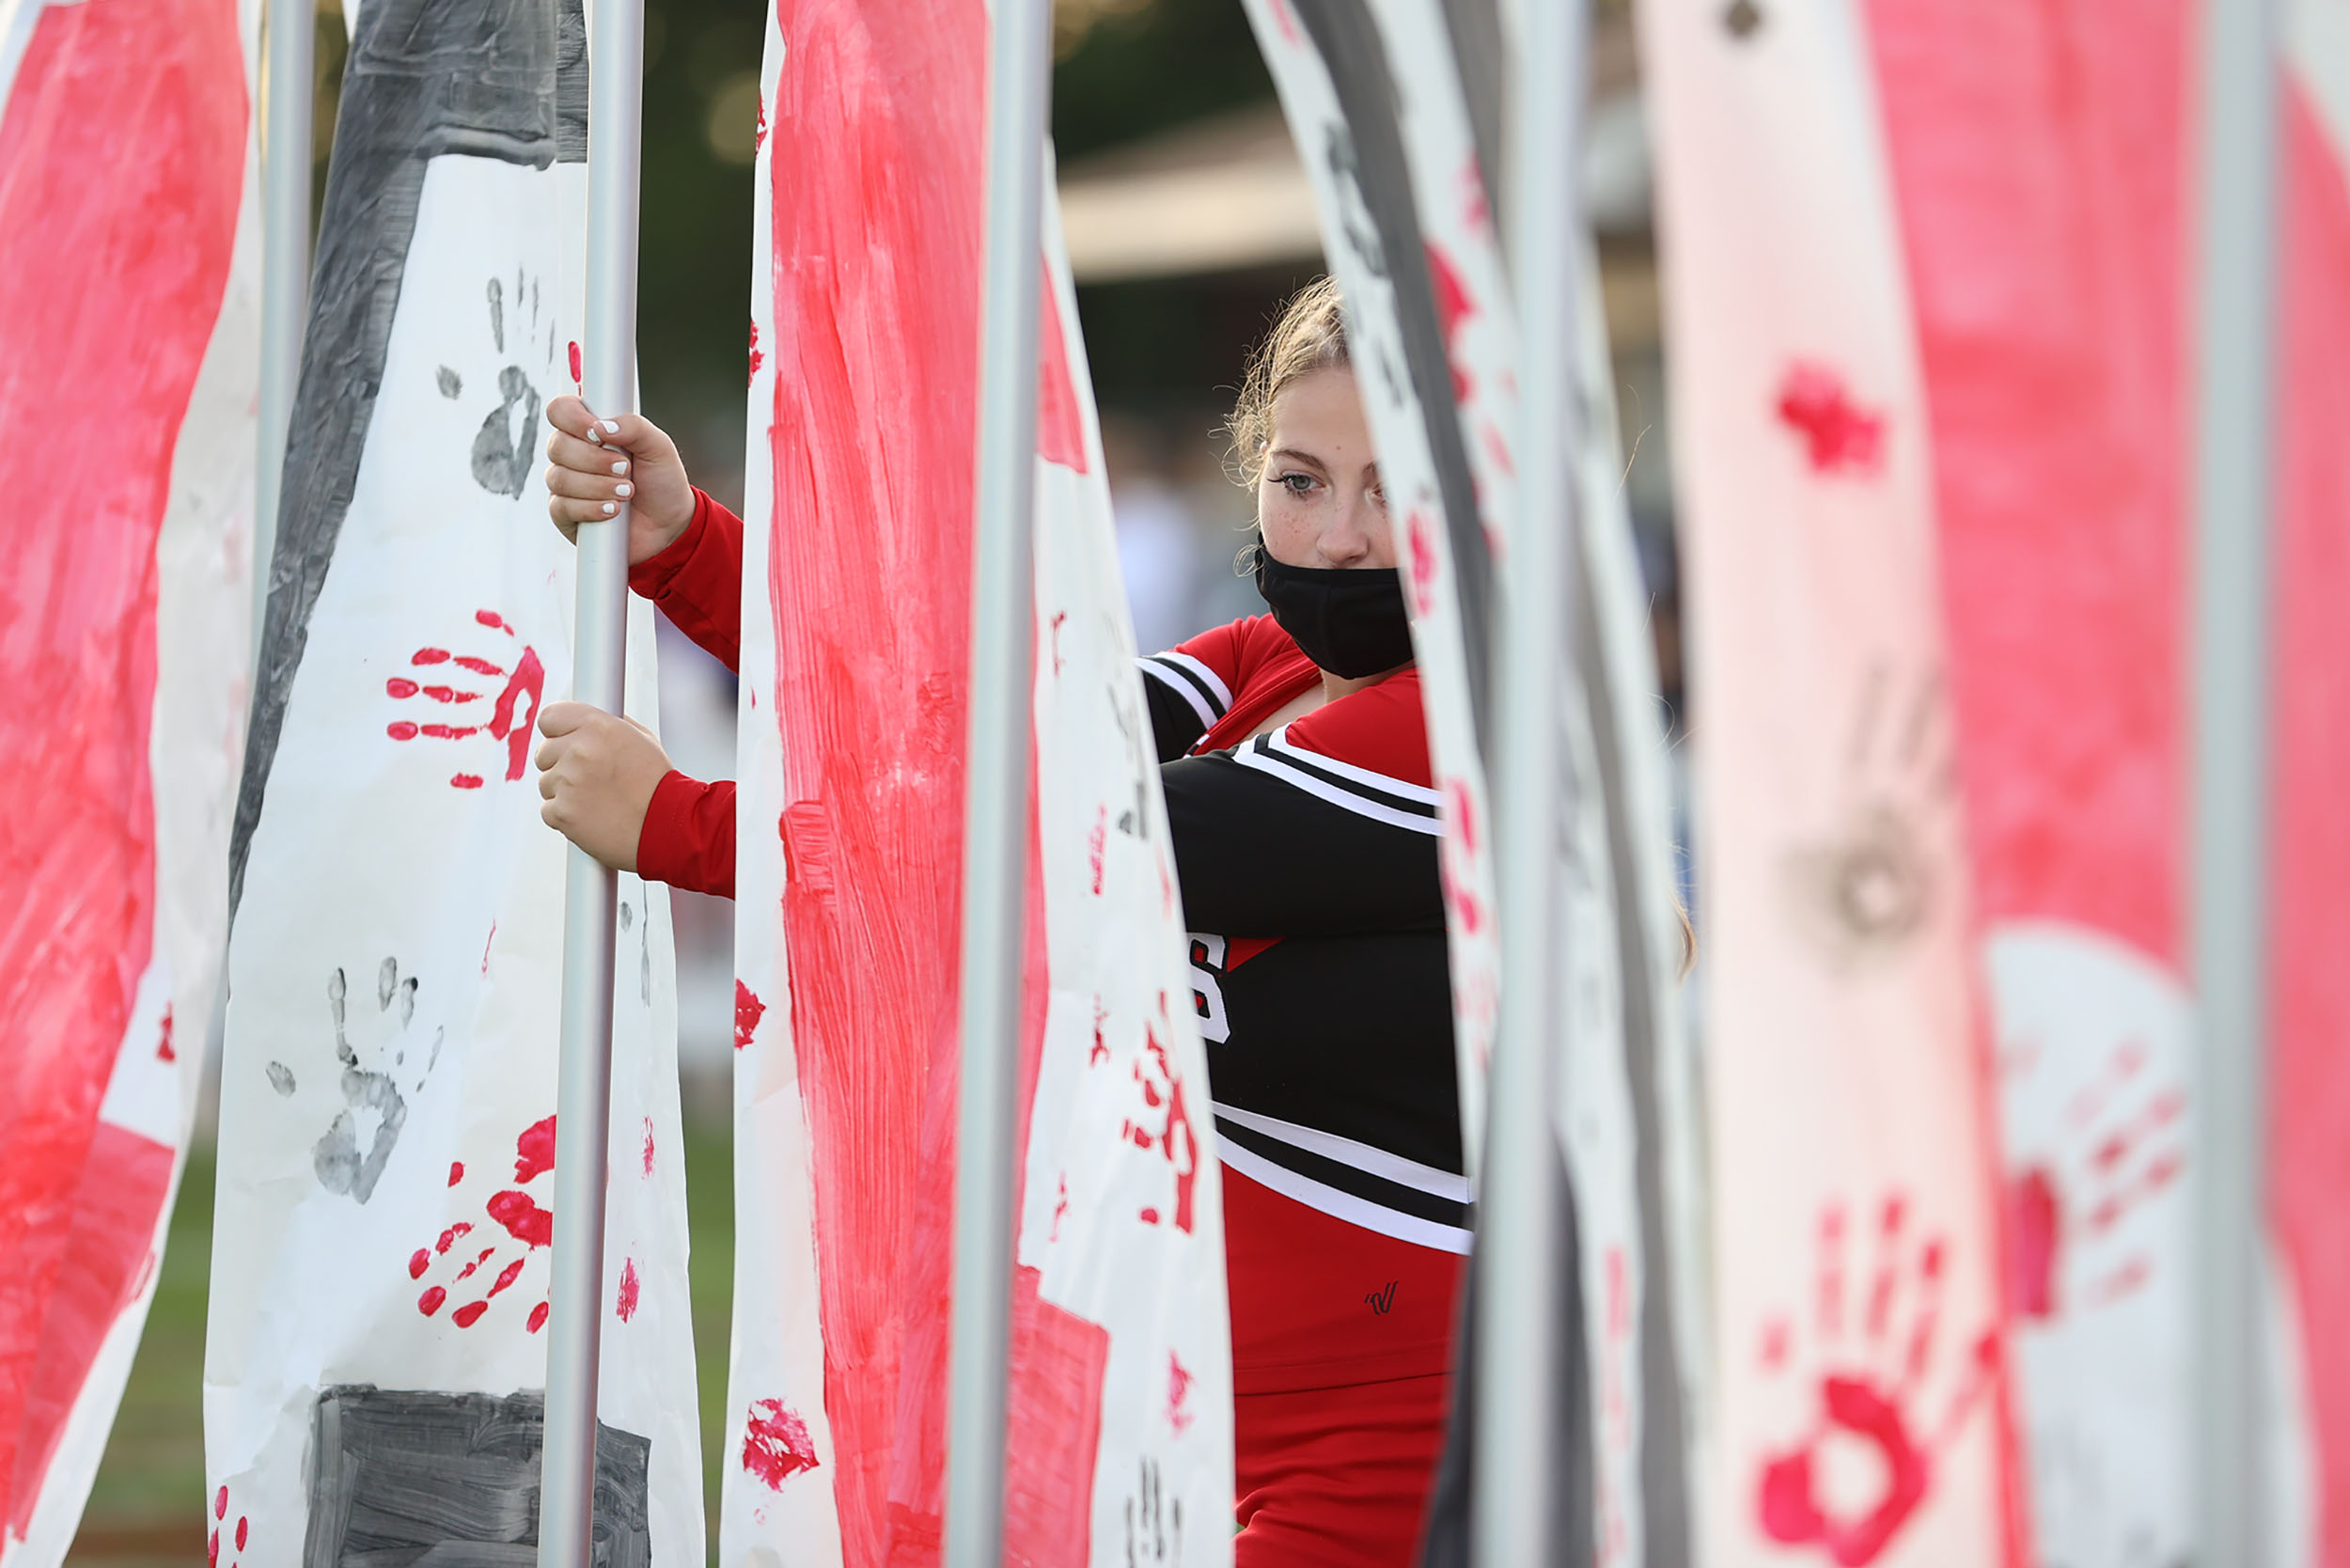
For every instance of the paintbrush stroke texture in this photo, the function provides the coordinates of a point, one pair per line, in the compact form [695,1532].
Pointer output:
[431,77]
[403,1476]
[875,215]
[104,323]
[870,590]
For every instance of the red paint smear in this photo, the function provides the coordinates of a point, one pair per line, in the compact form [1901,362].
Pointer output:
[399,687]
[212,1550]
[451,1236]
[534,1149]
[757,358]
[220,1503]
[1839,435]
[464,781]
[469,1314]
[648,1146]
[748,1010]
[523,1220]
[1421,549]
[625,1308]
[1060,421]
[240,1532]
[418,1262]
[480,666]
[162,1044]
[121,1197]
[430,1301]
[494,620]
[400,729]
[1453,307]
[431,657]
[1179,1381]
[537,1318]
[871,439]
[577,377]
[2055,367]
[776,1443]
[2309,863]
[103,322]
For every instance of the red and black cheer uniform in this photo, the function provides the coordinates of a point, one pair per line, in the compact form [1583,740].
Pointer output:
[1306,861]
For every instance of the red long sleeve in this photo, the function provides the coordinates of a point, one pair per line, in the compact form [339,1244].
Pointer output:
[697,581]
[688,836]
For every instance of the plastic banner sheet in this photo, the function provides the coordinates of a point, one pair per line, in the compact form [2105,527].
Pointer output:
[1396,105]
[1863,1385]
[377,1355]
[127,336]
[857,567]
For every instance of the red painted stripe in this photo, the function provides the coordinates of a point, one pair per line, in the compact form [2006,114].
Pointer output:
[2310,929]
[121,160]
[2044,233]
[876,257]
[124,1182]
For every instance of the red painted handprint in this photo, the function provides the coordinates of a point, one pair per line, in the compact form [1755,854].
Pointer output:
[1849,1483]
[512,715]
[2126,1143]
[1175,1138]
[226,1539]
[513,1211]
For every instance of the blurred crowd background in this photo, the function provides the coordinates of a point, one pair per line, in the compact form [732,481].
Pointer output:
[1189,221]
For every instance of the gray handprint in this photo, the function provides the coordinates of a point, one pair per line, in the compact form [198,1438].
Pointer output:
[371,1095]
[504,449]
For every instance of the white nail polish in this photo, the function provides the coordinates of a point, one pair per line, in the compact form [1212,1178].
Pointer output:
[611,427]
[619,469]
[624,491]
[609,510]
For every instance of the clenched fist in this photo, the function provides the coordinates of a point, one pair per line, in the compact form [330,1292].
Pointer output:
[598,774]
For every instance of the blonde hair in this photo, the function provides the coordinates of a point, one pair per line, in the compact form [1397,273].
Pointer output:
[1310,335]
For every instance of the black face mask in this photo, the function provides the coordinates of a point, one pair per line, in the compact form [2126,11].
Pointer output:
[1349,622]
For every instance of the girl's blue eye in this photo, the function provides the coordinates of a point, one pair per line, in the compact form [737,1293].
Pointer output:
[1296,484]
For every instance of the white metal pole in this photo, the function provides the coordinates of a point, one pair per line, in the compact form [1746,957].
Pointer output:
[995,801]
[1519,1268]
[583,1099]
[2234,445]
[286,85]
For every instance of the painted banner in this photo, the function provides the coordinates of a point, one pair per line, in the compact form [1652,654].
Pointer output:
[2050,265]
[1396,105]
[2029,175]
[129,323]
[1863,1389]
[376,1349]
[857,567]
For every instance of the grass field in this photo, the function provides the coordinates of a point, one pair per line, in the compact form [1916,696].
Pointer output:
[147,1507]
